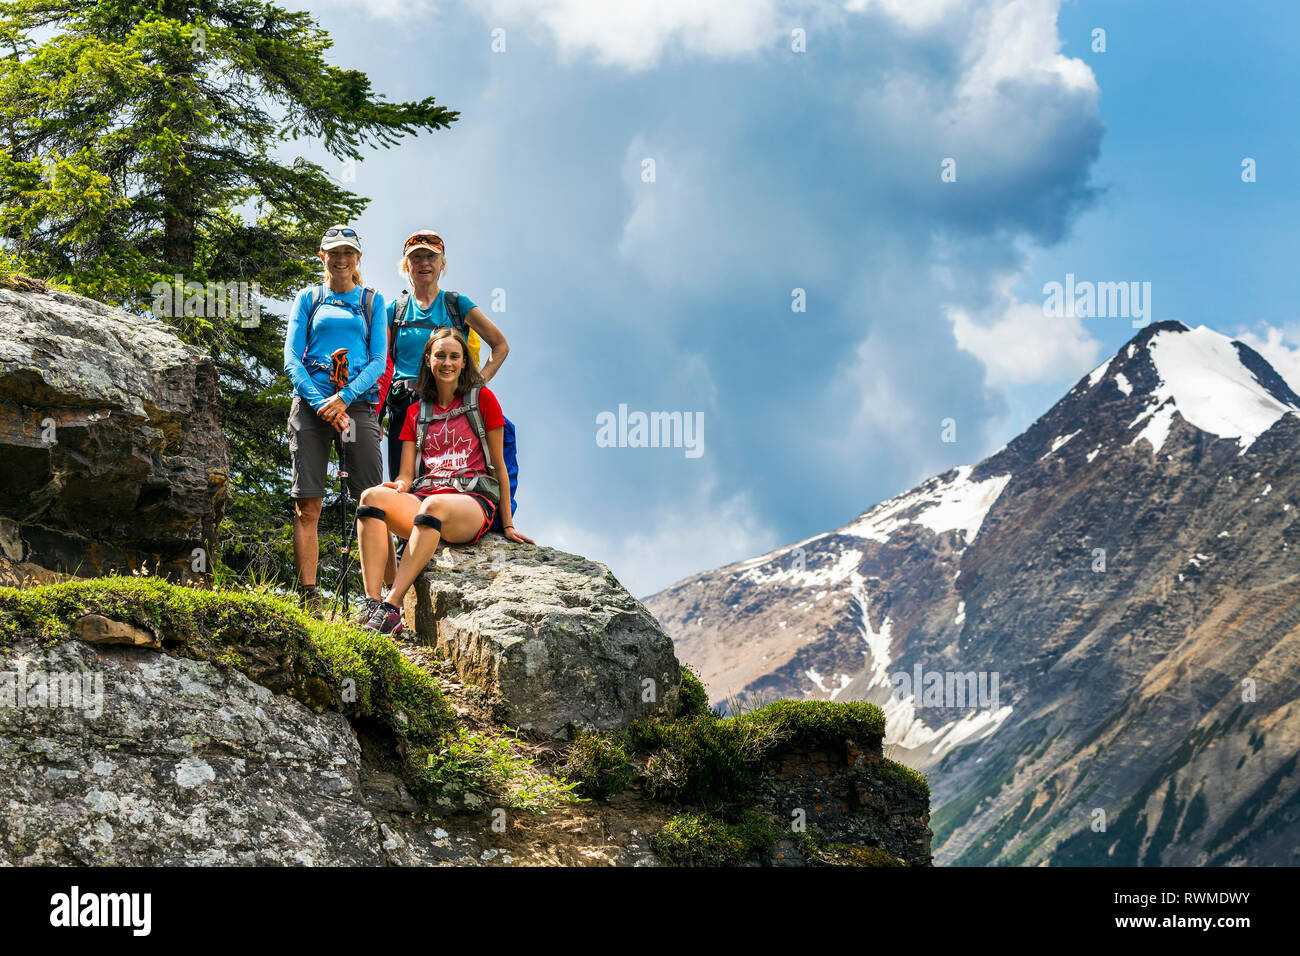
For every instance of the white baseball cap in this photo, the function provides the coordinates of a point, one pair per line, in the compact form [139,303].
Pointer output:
[336,236]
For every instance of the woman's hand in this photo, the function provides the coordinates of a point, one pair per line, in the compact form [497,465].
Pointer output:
[400,484]
[513,535]
[332,409]
[341,423]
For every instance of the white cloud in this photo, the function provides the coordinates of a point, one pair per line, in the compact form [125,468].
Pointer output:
[1023,346]
[1020,41]
[1284,358]
[913,14]
[635,34]
[1000,38]
[697,531]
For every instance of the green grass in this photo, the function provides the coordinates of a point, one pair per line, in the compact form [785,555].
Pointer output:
[598,765]
[709,760]
[694,699]
[703,839]
[700,839]
[488,765]
[908,776]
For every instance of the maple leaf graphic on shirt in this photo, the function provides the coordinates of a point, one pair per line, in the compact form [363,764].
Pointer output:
[454,455]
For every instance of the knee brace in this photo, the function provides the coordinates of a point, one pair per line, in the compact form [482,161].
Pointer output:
[428,521]
[370,511]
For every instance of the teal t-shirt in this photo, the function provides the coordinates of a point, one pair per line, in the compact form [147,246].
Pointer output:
[408,347]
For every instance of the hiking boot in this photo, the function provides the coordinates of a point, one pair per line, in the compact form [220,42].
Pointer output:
[311,600]
[368,605]
[386,620]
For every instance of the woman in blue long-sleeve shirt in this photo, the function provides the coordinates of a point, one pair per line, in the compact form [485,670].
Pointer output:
[338,314]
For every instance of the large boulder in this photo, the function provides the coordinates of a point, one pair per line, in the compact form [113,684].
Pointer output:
[110,437]
[553,634]
[130,757]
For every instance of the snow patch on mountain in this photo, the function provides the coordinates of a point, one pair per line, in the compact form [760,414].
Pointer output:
[794,571]
[1203,378]
[834,692]
[957,504]
[1157,428]
[1058,442]
[902,726]
[1098,373]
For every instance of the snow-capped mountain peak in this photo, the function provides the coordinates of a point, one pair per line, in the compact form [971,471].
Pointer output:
[1215,383]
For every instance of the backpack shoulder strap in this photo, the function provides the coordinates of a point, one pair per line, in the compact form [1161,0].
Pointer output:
[317,297]
[399,313]
[368,308]
[425,418]
[452,302]
[475,416]
[399,308]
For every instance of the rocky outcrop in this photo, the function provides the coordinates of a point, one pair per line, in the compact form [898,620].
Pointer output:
[132,756]
[553,634]
[849,795]
[160,760]
[110,439]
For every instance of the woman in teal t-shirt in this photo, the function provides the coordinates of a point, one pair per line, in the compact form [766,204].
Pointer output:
[424,260]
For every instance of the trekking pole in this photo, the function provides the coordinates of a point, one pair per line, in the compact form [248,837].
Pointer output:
[339,379]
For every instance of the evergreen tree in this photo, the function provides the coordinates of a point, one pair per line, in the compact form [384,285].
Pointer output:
[143,140]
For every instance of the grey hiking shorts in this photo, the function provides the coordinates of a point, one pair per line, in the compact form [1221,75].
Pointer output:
[310,440]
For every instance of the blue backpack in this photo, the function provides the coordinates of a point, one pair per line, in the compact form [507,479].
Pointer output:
[468,482]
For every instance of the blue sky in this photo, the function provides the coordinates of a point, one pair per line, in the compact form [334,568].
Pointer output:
[777,170]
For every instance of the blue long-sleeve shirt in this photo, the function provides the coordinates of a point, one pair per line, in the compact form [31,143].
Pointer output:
[339,324]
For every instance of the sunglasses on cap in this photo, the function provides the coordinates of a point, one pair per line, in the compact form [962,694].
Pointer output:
[350,233]
[425,239]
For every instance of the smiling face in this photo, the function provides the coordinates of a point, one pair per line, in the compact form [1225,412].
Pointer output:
[446,360]
[423,266]
[340,262]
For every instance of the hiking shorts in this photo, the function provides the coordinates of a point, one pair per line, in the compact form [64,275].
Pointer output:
[310,440]
[487,504]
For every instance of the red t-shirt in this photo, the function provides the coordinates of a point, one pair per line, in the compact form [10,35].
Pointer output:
[452,446]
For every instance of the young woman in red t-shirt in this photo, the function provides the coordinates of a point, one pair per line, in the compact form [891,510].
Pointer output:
[437,510]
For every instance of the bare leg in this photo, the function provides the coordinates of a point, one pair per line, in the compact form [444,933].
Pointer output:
[461,519]
[306,544]
[390,572]
[373,533]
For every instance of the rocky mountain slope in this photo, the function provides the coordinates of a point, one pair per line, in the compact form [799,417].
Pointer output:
[1116,592]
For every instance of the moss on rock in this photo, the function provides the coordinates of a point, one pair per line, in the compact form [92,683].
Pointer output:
[266,638]
[716,761]
[693,699]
